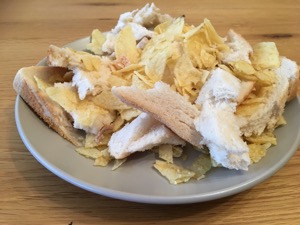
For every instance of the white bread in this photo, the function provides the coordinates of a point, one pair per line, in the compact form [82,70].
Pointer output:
[267,115]
[143,133]
[217,122]
[48,110]
[91,72]
[222,86]
[240,49]
[290,69]
[165,105]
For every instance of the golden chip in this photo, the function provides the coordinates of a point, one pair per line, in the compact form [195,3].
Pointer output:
[188,79]
[92,153]
[177,151]
[129,114]
[118,123]
[165,152]
[65,95]
[174,173]
[125,45]
[266,77]
[243,70]
[90,141]
[118,81]
[138,83]
[255,100]
[201,166]
[258,151]
[281,121]
[128,69]
[174,30]
[265,137]
[157,51]
[107,100]
[162,27]
[144,79]
[204,37]
[118,163]
[103,159]
[265,56]
[156,64]
[97,40]
[85,112]
[248,109]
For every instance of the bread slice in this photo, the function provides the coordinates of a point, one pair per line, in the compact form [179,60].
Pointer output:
[165,105]
[141,134]
[53,114]
[217,122]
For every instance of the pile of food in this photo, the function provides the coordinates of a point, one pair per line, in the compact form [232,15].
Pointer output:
[156,83]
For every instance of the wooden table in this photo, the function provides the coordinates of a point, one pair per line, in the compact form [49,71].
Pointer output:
[30,194]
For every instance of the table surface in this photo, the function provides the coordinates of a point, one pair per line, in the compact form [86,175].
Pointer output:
[30,194]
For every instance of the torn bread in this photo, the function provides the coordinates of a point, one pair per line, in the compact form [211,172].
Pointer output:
[290,69]
[54,115]
[240,49]
[91,72]
[266,114]
[142,134]
[165,105]
[217,122]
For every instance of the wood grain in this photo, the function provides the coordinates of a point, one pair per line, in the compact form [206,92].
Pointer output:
[29,194]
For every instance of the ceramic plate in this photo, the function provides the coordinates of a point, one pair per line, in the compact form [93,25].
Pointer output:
[136,180]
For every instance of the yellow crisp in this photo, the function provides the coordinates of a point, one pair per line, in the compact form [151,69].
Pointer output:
[103,159]
[188,80]
[125,45]
[84,112]
[248,109]
[266,77]
[174,173]
[281,121]
[97,40]
[107,100]
[258,151]
[118,163]
[265,137]
[177,151]
[129,114]
[64,95]
[202,43]
[265,56]
[165,152]
[92,153]
[243,70]
[201,166]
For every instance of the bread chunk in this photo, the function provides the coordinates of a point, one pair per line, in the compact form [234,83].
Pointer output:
[53,114]
[165,105]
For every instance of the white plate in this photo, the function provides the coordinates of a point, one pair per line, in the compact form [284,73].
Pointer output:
[136,180]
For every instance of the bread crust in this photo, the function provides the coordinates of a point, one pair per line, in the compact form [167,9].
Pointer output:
[49,111]
[175,113]
[294,88]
